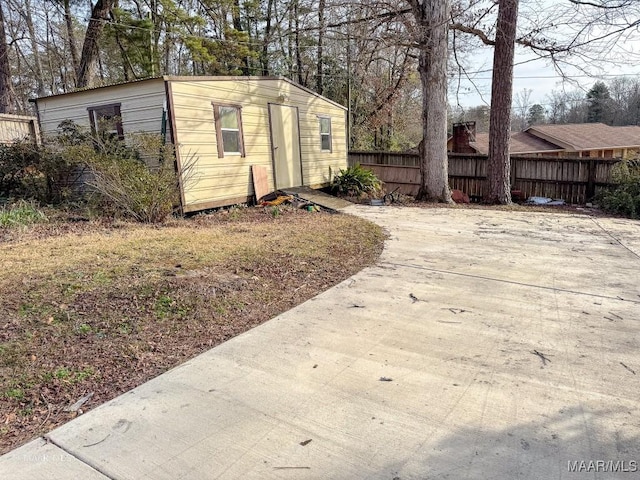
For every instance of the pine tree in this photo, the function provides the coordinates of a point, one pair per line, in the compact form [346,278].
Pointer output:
[599,101]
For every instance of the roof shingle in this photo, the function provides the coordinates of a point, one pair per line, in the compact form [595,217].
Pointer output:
[521,143]
[588,136]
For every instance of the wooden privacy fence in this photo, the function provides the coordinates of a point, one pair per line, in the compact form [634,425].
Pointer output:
[575,180]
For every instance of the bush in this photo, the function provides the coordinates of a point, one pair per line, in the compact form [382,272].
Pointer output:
[42,173]
[134,179]
[624,199]
[137,180]
[20,175]
[356,181]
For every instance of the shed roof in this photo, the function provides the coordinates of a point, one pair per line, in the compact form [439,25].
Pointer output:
[171,78]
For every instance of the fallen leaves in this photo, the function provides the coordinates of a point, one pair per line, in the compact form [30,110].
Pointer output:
[90,312]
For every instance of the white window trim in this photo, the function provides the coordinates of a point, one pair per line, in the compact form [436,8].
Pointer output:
[330,134]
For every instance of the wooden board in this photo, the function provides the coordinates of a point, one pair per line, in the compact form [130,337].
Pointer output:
[260,181]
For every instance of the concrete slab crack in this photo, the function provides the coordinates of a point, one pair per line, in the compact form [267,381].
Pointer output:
[88,463]
[513,282]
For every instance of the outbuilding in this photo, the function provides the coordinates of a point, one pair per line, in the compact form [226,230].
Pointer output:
[220,126]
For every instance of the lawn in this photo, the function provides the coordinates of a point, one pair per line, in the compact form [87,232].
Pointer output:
[91,309]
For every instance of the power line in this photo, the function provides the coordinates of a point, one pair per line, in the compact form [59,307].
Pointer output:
[598,75]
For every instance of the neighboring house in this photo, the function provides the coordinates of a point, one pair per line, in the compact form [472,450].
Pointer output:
[18,128]
[573,140]
[221,126]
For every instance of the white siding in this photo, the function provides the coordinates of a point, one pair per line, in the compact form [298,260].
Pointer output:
[141,105]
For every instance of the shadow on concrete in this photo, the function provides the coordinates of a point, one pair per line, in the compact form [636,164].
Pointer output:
[571,444]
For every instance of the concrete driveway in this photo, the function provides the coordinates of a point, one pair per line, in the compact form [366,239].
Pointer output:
[484,344]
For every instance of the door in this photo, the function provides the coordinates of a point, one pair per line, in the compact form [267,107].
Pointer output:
[285,145]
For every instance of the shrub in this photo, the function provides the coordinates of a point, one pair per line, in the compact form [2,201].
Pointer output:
[20,175]
[43,173]
[137,180]
[356,181]
[624,199]
[134,179]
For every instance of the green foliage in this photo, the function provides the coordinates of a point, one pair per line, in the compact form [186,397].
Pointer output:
[356,181]
[15,393]
[134,179]
[19,172]
[624,199]
[536,115]
[167,307]
[83,329]
[21,213]
[62,373]
[69,375]
[44,173]
[221,58]
[133,36]
[600,105]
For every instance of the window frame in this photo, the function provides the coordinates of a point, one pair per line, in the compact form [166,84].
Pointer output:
[94,120]
[218,126]
[329,135]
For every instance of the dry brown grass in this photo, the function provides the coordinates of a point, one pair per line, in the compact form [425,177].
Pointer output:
[101,307]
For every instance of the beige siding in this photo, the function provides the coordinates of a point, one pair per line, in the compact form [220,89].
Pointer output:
[141,105]
[15,128]
[219,181]
[214,181]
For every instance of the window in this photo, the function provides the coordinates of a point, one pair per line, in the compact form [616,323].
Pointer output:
[228,120]
[106,121]
[325,133]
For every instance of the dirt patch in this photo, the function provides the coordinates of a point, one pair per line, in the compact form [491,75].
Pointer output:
[92,309]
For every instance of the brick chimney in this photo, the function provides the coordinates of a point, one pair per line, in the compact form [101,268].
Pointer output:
[463,133]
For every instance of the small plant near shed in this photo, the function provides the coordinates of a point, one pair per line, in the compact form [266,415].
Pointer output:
[356,181]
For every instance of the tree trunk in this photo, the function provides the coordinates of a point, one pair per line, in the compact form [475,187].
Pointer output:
[6,92]
[90,48]
[237,26]
[297,42]
[267,38]
[499,166]
[321,29]
[73,44]
[433,16]
[37,63]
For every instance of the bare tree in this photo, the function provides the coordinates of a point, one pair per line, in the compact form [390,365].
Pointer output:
[73,44]
[521,105]
[26,13]
[6,94]
[499,165]
[321,31]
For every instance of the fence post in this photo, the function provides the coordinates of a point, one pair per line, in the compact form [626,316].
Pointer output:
[591,180]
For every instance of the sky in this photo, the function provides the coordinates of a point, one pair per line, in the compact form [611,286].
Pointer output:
[538,75]
[535,75]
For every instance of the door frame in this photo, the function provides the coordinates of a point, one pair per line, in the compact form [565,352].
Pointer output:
[273,150]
